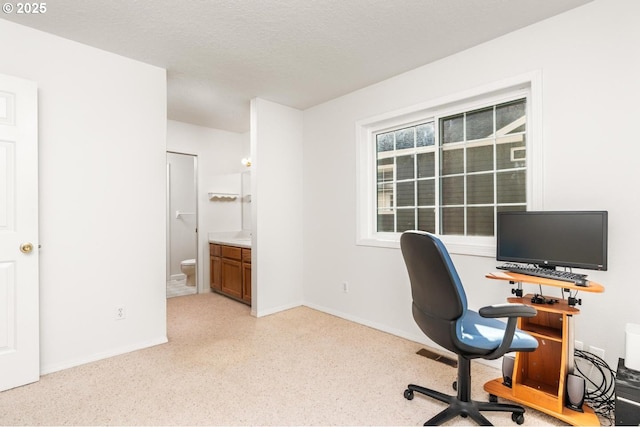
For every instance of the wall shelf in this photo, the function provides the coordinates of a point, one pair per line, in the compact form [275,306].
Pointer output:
[223,196]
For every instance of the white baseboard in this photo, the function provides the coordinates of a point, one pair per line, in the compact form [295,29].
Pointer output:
[278,309]
[420,339]
[47,369]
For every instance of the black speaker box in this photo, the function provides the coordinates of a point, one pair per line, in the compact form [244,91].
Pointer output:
[507,370]
[575,392]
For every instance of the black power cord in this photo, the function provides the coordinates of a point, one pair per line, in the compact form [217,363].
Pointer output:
[601,395]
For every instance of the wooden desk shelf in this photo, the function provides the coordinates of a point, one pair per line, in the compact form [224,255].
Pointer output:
[539,377]
[523,278]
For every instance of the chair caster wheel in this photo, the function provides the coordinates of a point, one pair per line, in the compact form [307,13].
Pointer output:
[517,418]
[455,385]
[408,394]
[494,399]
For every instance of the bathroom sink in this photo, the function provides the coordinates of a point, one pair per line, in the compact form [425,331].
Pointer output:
[243,241]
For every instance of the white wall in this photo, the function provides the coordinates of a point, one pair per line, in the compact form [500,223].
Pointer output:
[102,130]
[277,260]
[589,64]
[219,153]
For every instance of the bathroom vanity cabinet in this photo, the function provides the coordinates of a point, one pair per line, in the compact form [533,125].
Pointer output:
[230,268]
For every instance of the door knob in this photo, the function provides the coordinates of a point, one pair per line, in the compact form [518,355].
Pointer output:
[26,248]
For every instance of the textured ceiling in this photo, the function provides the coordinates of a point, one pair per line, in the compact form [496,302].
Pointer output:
[221,53]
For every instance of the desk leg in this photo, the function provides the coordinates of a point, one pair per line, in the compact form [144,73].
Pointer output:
[571,340]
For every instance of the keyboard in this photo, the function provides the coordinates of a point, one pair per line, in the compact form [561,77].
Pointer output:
[566,276]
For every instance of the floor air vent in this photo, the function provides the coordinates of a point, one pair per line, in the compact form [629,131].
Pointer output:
[437,357]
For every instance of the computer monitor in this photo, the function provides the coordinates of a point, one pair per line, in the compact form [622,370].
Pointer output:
[576,239]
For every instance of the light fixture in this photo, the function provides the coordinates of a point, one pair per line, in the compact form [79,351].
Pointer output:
[246,161]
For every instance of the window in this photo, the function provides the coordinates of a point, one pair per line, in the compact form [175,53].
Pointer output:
[452,178]
[447,169]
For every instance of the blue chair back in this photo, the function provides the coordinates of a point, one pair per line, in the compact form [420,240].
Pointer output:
[439,300]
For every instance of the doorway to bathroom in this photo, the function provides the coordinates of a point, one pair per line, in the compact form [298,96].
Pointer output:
[182,224]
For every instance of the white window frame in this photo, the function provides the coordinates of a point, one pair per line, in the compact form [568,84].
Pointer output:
[524,86]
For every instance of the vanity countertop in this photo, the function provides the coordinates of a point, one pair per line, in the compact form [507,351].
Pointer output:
[231,239]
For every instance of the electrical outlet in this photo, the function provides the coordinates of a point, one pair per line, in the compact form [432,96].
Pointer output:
[121,313]
[578,345]
[595,375]
[345,287]
[597,351]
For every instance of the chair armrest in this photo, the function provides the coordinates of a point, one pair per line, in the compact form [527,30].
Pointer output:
[507,310]
[512,311]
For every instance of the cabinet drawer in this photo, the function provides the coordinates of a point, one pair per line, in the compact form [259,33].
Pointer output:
[246,255]
[232,252]
[214,250]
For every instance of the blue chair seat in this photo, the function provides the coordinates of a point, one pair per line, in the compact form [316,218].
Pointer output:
[487,334]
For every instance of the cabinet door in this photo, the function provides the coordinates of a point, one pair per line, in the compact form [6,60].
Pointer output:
[232,277]
[246,282]
[215,269]
[216,273]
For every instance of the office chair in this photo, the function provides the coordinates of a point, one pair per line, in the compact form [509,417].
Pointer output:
[440,310]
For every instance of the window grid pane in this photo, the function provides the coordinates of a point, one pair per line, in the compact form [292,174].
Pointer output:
[406,193]
[427,220]
[406,220]
[405,167]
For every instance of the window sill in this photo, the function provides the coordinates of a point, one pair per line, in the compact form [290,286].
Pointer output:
[455,245]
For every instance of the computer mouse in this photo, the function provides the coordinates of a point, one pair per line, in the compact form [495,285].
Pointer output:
[581,282]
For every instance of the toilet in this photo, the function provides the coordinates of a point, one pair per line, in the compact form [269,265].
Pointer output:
[188,267]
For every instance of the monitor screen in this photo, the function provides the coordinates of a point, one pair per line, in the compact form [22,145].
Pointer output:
[553,239]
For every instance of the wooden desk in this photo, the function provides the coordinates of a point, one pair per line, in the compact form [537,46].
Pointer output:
[523,278]
[539,377]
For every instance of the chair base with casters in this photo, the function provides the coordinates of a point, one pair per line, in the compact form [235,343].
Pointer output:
[462,404]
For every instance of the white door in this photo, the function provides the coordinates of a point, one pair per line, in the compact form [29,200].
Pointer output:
[19,307]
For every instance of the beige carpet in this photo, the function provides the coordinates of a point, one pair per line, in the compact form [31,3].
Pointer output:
[224,367]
